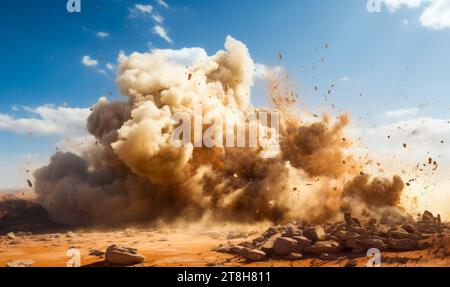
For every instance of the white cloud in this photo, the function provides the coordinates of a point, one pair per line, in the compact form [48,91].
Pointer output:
[88,61]
[394,5]
[47,120]
[121,56]
[344,79]
[140,9]
[163,4]
[109,66]
[435,14]
[405,21]
[263,71]
[402,112]
[102,35]
[161,31]
[158,18]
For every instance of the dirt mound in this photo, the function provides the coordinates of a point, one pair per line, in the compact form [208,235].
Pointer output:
[18,214]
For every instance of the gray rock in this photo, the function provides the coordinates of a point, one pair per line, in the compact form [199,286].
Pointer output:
[96,252]
[349,220]
[405,244]
[427,216]
[316,233]
[284,246]
[374,243]
[267,247]
[238,250]
[236,235]
[323,247]
[302,242]
[400,233]
[294,256]
[20,263]
[326,256]
[408,228]
[255,255]
[119,255]
[11,235]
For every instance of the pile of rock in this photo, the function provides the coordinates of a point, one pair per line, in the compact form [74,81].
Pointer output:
[295,240]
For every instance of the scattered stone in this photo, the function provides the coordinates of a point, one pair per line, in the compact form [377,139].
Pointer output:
[326,256]
[374,243]
[351,263]
[315,233]
[236,235]
[20,263]
[294,256]
[427,216]
[119,255]
[400,233]
[238,250]
[255,255]
[323,247]
[284,246]
[11,235]
[349,220]
[302,242]
[96,252]
[246,244]
[405,244]
[70,234]
[393,232]
[267,247]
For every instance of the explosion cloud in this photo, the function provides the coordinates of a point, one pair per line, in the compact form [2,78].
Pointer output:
[137,173]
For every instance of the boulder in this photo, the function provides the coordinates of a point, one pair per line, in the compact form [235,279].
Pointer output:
[294,256]
[349,220]
[405,244]
[11,235]
[284,246]
[119,255]
[254,255]
[400,233]
[267,246]
[96,252]
[408,228]
[427,216]
[374,243]
[320,247]
[302,242]
[238,250]
[316,233]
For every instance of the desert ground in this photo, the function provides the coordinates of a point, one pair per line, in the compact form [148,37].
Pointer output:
[176,247]
[29,238]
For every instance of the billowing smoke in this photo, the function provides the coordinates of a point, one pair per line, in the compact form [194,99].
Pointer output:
[136,173]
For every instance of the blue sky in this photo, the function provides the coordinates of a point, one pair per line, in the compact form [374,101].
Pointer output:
[388,67]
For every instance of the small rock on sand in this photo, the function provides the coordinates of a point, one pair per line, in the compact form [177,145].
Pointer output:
[119,255]
[11,235]
[20,263]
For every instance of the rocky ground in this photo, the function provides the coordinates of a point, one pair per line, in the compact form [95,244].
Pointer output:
[349,238]
[29,238]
